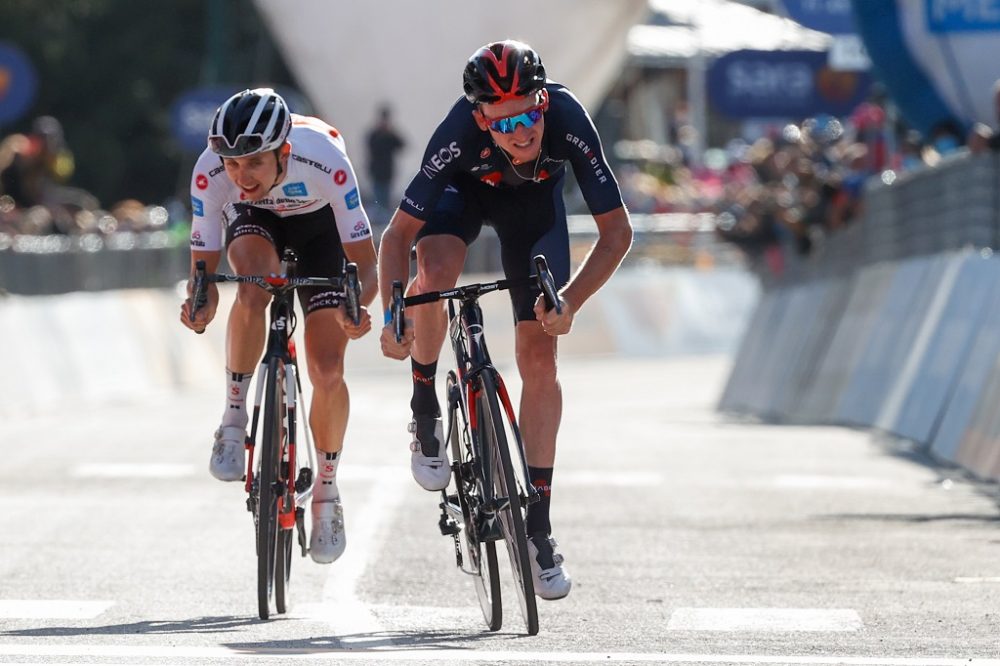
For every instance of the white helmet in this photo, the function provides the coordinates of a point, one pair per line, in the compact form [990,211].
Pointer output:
[250,122]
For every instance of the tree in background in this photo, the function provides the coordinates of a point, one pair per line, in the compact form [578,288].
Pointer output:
[109,70]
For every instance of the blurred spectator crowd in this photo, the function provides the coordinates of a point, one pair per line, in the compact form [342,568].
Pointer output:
[787,190]
[36,198]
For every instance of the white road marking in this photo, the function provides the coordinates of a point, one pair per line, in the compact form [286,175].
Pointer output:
[599,478]
[810,481]
[764,619]
[51,609]
[463,656]
[110,470]
[978,579]
[566,478]
[363,522]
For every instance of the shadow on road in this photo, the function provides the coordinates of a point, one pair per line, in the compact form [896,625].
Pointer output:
[374,642]
[201,625]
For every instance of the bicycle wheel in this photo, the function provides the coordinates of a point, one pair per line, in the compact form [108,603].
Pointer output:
[507,485]
[482,555]
[268,477]
[283,570]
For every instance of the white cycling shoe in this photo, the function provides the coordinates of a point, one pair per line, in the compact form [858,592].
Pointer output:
[328,539]
[430,471]
[228,462]
[551,579]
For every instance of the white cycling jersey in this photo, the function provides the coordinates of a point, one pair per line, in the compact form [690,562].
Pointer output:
[319,172]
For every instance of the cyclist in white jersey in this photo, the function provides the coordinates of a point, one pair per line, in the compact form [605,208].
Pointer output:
[270,179]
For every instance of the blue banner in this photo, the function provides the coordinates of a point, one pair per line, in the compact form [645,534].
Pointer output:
[962,15]
[782,84]
[18,83]
[192,112]
[831,16]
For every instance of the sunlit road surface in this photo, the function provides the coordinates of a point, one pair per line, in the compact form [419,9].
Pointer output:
[691,539]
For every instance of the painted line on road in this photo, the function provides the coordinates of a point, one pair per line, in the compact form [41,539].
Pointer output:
[598,478]
[764,619]
[110,470]
[463,656]
[811,481]
[566,478]
[340,606]
[51,609]
[977,579]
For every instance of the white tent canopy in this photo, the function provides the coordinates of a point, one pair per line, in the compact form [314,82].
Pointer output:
[351,57]
[711,28]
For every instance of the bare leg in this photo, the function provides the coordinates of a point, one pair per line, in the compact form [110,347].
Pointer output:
[249,255]
[541,394]
[440,260]
[325,347]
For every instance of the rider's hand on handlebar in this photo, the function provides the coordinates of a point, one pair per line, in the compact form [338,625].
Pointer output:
[206,313]
[552,323]
[353,331]
[393,349]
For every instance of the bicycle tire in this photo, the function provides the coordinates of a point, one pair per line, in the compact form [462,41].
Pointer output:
[480,553]
[283,547]
[511,514]
[268,476]
[283,570]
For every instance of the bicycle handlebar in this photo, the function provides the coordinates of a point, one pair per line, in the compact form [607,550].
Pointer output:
[275,284]
[542,278]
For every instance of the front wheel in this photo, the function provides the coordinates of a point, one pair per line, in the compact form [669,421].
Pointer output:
[269,487]
[482,555]
[508,494]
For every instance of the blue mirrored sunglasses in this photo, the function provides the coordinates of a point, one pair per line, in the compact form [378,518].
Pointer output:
[509,124]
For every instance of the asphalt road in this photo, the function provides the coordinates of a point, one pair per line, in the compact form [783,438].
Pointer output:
[691,539]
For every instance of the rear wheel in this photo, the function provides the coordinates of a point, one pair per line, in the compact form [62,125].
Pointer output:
[481,555]
[268,486]
[508,488]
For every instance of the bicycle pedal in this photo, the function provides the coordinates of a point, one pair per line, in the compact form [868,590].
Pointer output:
[447,526]
[300,528]
[305,480]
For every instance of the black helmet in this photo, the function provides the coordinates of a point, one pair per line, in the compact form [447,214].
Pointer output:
[250,122]
[501,71]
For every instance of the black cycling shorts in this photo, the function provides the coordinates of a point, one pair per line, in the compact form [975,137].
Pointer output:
[313,236]
[529,219]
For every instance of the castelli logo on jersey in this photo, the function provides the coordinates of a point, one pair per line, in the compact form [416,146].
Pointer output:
[493,178]
[486,153]
[340,177]
[201,181]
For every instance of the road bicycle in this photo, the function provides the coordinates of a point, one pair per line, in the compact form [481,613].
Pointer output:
[279,474]
[490,489]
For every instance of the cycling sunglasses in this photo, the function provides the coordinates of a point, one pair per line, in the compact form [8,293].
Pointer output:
[508,124]
[245,144]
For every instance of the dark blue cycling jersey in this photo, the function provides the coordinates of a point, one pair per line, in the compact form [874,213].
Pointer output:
[459,146]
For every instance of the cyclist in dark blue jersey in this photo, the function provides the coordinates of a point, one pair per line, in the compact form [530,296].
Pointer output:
[499,157]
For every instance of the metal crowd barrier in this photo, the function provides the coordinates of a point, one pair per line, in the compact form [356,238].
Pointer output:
[891,324]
